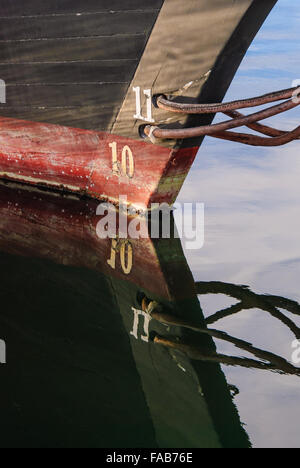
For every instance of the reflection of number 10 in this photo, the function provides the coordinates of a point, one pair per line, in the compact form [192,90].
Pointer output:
[127,166]
[126,256]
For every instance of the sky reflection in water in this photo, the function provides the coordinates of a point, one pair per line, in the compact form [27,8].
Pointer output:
[252,232]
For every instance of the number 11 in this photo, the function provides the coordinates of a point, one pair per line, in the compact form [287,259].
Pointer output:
[138,115]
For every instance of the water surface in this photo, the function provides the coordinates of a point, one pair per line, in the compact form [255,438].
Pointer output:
[252,199]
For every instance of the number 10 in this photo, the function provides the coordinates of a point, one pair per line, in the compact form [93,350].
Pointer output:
[127,167]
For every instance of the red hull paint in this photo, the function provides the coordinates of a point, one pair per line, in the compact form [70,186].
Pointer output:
[82,161]
[63,230]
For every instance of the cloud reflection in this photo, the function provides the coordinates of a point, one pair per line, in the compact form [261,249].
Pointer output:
[252,199]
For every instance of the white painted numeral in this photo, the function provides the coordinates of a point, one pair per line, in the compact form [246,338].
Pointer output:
[127,165]
[135,329]
[115,164]
[126,256]
[113,252]
[138,115]
[127,156]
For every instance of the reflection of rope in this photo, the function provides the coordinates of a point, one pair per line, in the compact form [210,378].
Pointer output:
[264,129]
[220,130]
[248,300]
[198,354]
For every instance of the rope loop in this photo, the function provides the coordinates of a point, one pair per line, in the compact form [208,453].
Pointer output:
[273,137]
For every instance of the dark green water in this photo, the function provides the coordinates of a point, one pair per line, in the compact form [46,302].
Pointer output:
[70,378]
[82,365]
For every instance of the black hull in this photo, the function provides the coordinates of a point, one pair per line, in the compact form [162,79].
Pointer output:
[71,62]
[74,63]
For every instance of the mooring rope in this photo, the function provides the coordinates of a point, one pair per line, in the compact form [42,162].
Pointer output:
[273,137]
[163,103]
[267,360]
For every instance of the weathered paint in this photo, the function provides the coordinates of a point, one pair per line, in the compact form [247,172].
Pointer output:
[193,51]
[82,161]
[82,79]
[63,229]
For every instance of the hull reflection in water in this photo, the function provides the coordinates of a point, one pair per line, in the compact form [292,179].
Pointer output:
[107,345]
